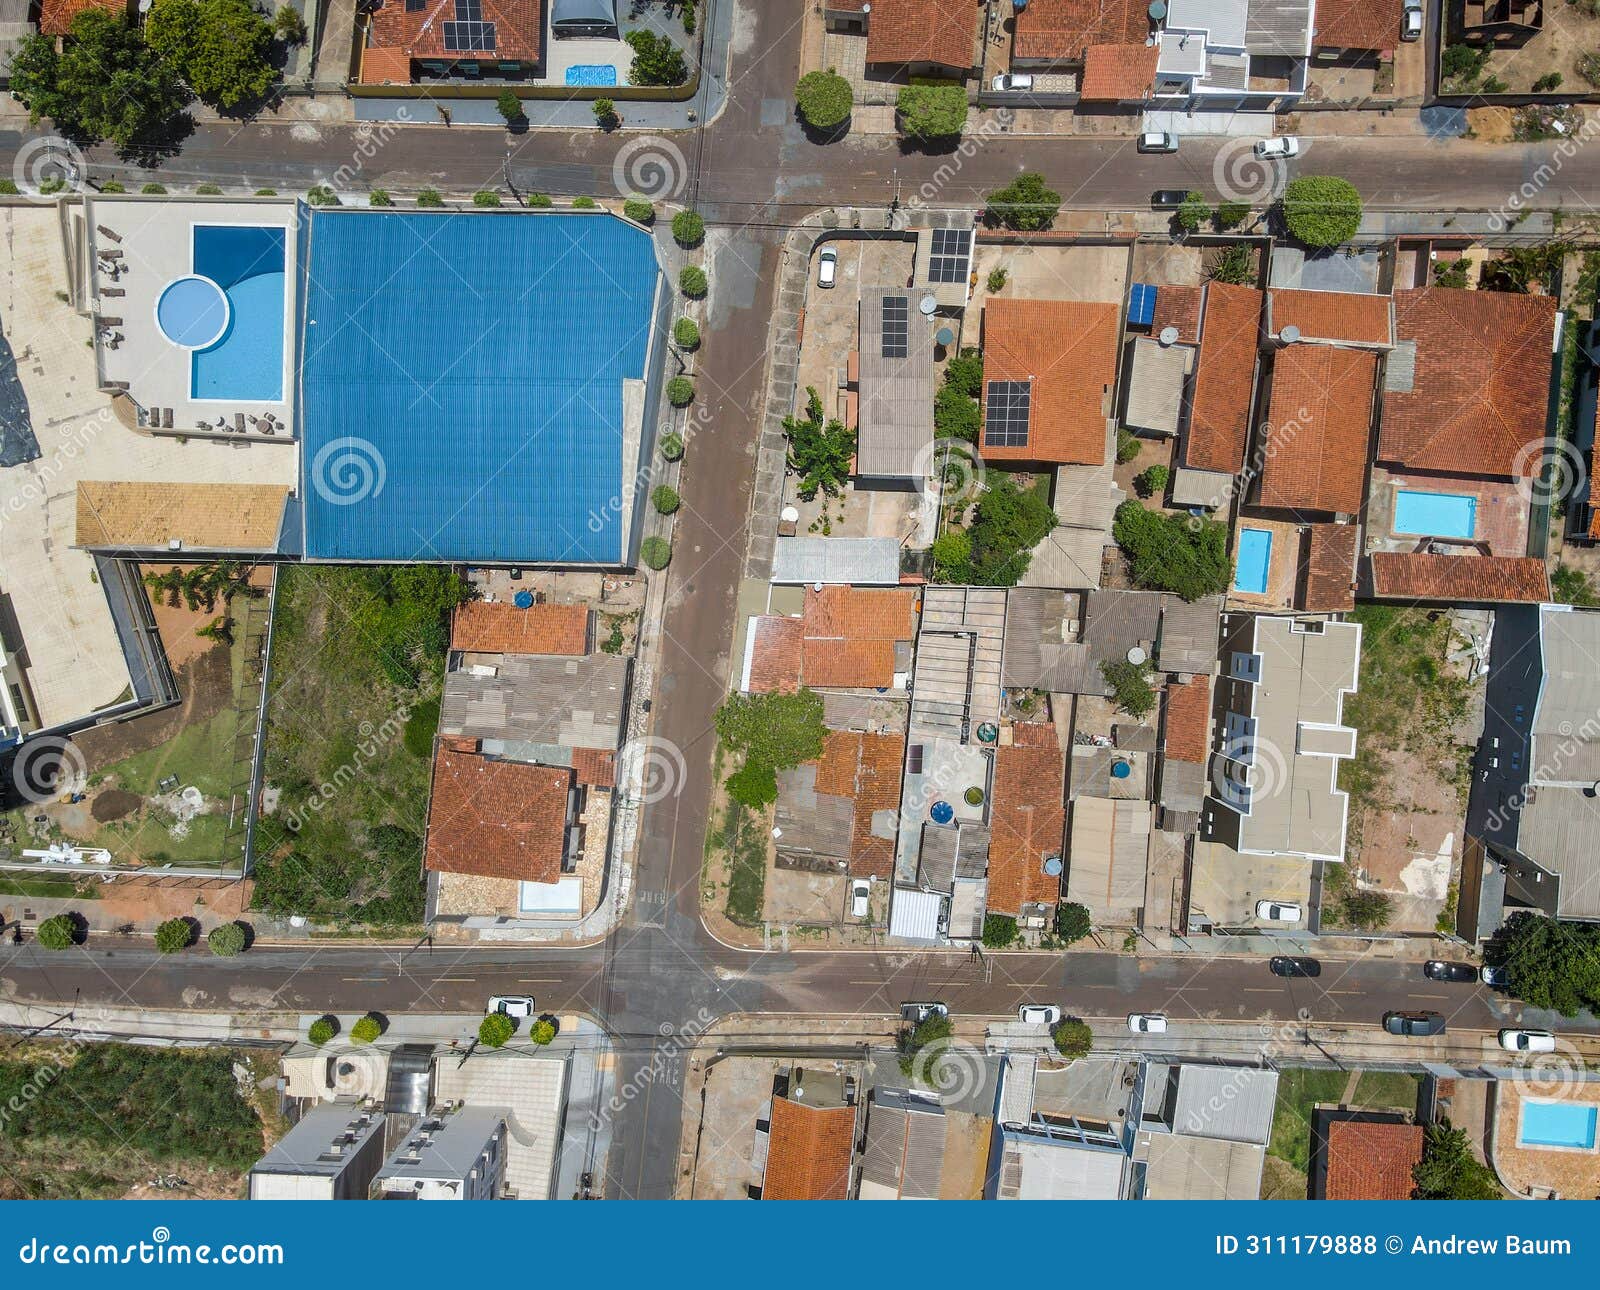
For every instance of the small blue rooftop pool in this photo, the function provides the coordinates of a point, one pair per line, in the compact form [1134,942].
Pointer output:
[1567,1125]
[230,312]
[1448,515]
[1252,561]
[591,74]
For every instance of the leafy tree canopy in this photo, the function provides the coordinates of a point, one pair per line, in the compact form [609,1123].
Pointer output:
[1181,554]
[1551,964]
[932,112]
[656,60]
[1073,921]
[1449,1171]
[495,1030]
[221,48]
[1009,522]
[1321,210]
[1073,1038]
[819,451]
[776,730]
[1024,204]
[824,100]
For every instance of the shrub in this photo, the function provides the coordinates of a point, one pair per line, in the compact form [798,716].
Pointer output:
[542,1031]
[1153,481]
[688,228]
[1193,213]
[672,447]
[1463,62]
[819,449]
[680,391]
[686,333]
[1494,85]
[322,1030]
[824,100]
[1452,273]
[754,785]
[997,279]
[509,106]
[665,499]
[1321,210]
[1073,922]
[227,940]
[51,185]
[952,552]
[1176,553]
[955,414]
[965,372]
[58,932]
[692,282]
[656,60]
[1588,67]
[289,25]
[429,199]
[153,189]
[772,732]
[1449,1171]
[540,201]
[207,190]
[605,113]
[639,210]
[8,188]
[1232,214]
[1007,524]
[379,197]
[932,113]
[1549,81]
[656,552]
[322,195]
[495,1030]
[1025,204]
[263,192]
[1130,686]
[110,186]
[1073,1038]
[999,931]
[173,935]
[483,197]
[585,204]
[1127,446]
[1236,265]
[366,1030]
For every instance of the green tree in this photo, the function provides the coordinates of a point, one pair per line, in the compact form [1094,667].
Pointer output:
[1321,210]
[429,199]
[322,1030]
[656,553]
[227,940]
[964,372]
[686,333]
[680,391]
[495,1030]
[1025,204]
[173,935]
[221,48]
[509,106]
[366,1030]
[1152,480]
[1236,265]
[104,83]
[772,732]
[1551,964]
[754,785]
[1364,908]
[542,1031]
[1007,524]
[952,555]
[58,932]
[1177,553]
[932,113]
[997,280]
[1073,921]
[955,414]
[289,25]
[1073,1038]
[1127,445]
[688,228]
[638,210]
[912,1041]
[819,451]
[1194,212]
[692,281]
[672,446]
[1130,686]
[824,100]
[1448,1170]
[656,60]
[999,931]
[665,499]
[1464,63]
[1570,586]
[605,113]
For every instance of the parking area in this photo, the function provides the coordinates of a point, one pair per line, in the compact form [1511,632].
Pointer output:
[1095,273]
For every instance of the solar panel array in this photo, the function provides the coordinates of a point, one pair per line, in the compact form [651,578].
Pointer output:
[896,326]
[469,33]
[1005,422]
[951,255]
[416,6]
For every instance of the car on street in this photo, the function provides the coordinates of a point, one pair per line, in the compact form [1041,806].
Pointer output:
[1495,977]
[513,1005]
[827,266]
[1168,199]
[1039,1014]
[917,1013]
[1294,965]
[1442,970]
[1277,911]
[860,897]
[1011,81]
[1411,20]
[1284,146]
[1415,1024]
[1157,141]
[1527,1041]
[1147,1023]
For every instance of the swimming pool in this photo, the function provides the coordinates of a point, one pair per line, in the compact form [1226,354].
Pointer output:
[192,312]
[1253,559]
[1452,515]
[245,362]
[591,74]
[1558,1124]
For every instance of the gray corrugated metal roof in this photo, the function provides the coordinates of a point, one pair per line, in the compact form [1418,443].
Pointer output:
[1565,750]
[574,702]
[1157,374]
[1230,1102]
[905,1144]
[949,853]
[1181,1168]
[895,410]
[1278,28]
[858,561]
[1189,635]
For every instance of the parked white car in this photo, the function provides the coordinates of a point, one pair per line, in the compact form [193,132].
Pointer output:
[1284,146]
[1527,1041]
[513,1005]
[1411,20]
[1039,1014]
[827,266]
[860,897]
[1147,1023]
[1277,911]
[1012,81]
[1157,141]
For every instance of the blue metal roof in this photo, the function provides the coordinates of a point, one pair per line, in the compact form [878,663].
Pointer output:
[1141,305]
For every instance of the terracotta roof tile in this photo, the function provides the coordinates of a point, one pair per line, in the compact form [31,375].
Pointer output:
[55,16]
[847,664]
[1027,820]
[419,33]
[496,819]
[1188,736]
[1334,315]
[923,31]
[1357,24]
[809,1151]
[1482,382]
[385,66]
[877,789]
[1114,73]
[1331,569]
[840,760]
[1219,420]
[1459,579]
[1319,423]
[848,635]
[775,656]
[1179,307]
[482,627]
[1060,30]
[1067,351]
[595,767]
[1371,1161]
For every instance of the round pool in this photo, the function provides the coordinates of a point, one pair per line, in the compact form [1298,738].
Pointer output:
[192,312]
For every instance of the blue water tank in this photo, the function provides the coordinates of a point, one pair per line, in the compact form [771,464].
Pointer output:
[523,600]
[942,812]
[1120,770]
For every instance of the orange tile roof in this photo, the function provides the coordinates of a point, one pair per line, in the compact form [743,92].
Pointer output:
[1331,569]
[848,635]
[496,819]
[877,789]
[1371,1161]
[809,1151]
[1319,423]
[775,656]
[1356,24]
[1189,719]
[1060,30]
[944,32]
[1477,404]
[1027,818]
[1459,579]
[1334,315]
[1114,73]
[1179,307]
[847,664]
[419,33]
[1067,351]
[483,627]
[385,67]
[55,16]
[840,760]
[595,767]
[1219,420]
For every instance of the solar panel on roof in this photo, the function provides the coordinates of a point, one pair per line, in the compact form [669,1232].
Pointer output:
[950,255]
[1005,422]
[416,6]
[896,326]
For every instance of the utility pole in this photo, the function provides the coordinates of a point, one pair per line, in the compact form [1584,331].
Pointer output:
[53,1022]
[427,939]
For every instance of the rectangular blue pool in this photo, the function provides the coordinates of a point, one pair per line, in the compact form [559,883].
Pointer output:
[245,364]
[591,74]
[1253,559]
[1557,1124]
[1451,515]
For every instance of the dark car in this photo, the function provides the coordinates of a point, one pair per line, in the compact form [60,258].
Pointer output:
[1413,1023]
[1289,965]
[1440,970]
[1168,199]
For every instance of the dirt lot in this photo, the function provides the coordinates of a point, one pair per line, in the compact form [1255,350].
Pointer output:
[1569,31]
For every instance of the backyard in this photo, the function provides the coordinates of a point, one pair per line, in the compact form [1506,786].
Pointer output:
[353,703]
[1286,1176]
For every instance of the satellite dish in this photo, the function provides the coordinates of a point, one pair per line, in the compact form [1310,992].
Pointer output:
[791,514]
[1052,866]
[1290,334]
[1137,655]
[928,305]
[1168,336]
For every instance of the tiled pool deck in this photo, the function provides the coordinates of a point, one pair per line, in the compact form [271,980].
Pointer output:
[1282,571]
[1501,519]
[1570,1173]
